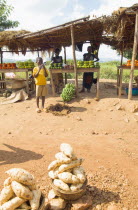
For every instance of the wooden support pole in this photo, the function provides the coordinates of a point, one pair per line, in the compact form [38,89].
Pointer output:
[2,75]
[119,74]
[98,77]
[120,82]
[65,61]
[1,55]
[133,58]
[122,53]
[74,58]
[27,83]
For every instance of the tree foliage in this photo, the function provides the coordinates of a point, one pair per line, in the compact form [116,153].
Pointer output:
[128,54]
[5,11]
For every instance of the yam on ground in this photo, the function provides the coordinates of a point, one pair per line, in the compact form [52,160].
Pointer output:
[66,149]
[21,190]
[21,175]
[53,174]
[80,173]
[35,201]
[62,157]
[6,194]
[61,185]
[25,206]
[12,204]
[32,187]
[65,167]
[68,178]
[76,187]
[54,164]
[51,194]
[21,209]
[7,181]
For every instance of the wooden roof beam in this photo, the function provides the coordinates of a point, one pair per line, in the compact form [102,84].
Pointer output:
[54,28]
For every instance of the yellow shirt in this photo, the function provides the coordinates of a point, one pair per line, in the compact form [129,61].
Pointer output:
[41,79]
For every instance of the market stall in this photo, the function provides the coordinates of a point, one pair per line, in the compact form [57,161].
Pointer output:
[3,71]
[79,70]
[123,24]
[118,30]
[120,70]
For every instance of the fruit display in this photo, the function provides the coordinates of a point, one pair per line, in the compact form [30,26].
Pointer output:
[66,172]
[56,66]
[97,65]
[8,66]
[87,64]
[68,66]
[25,64]
[68,92]
[129,63]
[20,191]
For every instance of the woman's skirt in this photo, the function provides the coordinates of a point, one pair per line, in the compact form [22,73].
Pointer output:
[87,80]
[58,82]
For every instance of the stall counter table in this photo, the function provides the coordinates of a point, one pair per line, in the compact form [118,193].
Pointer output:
[120,70]
[18,70]
[79,70]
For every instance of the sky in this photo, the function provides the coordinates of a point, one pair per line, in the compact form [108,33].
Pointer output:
[35,15]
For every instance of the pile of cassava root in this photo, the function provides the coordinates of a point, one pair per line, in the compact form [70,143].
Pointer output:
[66,172]
[20,191]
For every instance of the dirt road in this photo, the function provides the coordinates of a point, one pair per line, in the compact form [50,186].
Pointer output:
[104,133]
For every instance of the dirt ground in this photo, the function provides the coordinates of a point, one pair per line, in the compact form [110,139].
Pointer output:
[104,133]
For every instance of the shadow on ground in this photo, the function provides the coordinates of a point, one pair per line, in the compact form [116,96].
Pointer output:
[17,155]
[102,196]
[78,109]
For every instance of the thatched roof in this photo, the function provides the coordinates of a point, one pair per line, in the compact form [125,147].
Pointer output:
[8,39]
[122,26]
[116,30]
[84,30]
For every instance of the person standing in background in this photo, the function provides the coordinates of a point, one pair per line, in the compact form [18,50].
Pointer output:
[40,73]
[57,78]
[88,79]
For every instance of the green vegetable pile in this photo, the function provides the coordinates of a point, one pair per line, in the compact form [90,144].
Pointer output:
[26,64]
[68,92]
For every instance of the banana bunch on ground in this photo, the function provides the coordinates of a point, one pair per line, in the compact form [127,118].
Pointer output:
[68,92]
[66,172]
[20,191]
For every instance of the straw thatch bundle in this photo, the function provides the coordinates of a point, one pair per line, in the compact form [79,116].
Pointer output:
[121,25]
[8,39]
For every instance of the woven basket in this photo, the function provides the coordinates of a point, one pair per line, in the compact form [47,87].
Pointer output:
[69,195]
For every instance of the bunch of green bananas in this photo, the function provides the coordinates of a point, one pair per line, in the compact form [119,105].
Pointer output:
[68,92]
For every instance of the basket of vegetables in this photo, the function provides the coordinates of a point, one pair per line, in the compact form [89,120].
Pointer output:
[70,195]
[68,178]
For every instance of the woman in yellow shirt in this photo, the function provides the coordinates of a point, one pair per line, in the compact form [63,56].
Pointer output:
[40,73]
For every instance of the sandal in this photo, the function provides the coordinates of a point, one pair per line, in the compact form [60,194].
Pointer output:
[82,90]
[38,110]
